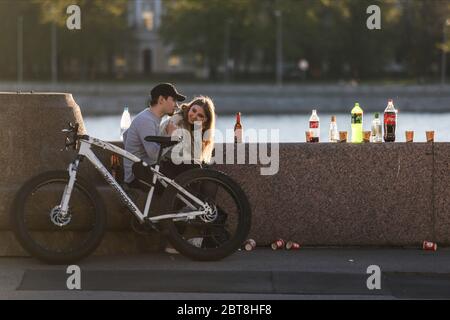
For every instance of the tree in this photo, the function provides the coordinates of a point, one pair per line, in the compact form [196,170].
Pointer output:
[89,51]
[420,35]
[323,32]
[10,13]
[199,28]
[104,33]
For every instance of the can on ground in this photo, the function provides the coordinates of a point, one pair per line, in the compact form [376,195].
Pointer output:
[291,245]
[249,245]
[278,244]
[429,246]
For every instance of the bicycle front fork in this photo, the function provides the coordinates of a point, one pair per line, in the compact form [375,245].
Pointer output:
[73,170]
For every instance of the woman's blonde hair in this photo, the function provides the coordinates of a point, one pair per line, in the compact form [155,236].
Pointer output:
[208,126]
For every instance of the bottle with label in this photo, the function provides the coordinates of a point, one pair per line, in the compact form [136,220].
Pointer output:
[314,126]
[357,124]
[238,129]
[333,135]
[125,122]
[376,132]
[116,168]
[390,122]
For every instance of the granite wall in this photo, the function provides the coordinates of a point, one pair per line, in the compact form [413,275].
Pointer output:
[322,195]
[348,195]
[31,142]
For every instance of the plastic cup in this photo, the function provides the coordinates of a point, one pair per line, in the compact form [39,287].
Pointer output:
[342,136]
[366,136]
[308,136]
[409,135]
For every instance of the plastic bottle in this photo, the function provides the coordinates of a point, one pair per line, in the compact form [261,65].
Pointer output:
[333,134]
[376,132]
[125,122]
[357,124]
[314,126]
[390,122]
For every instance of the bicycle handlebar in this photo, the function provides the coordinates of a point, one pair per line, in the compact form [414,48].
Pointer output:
[72,130]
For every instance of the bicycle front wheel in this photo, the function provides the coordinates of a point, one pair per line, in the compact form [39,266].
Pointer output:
[47,234]
[212,237]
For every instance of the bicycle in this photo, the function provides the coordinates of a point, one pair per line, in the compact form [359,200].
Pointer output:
[60,218]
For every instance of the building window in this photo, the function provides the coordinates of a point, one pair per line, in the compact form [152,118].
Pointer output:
[147,17]
[174,62]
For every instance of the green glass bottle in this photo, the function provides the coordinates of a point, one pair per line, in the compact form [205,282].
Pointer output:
[357,124]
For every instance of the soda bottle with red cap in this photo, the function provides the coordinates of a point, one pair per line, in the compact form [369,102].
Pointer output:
[314,126]
[390,122]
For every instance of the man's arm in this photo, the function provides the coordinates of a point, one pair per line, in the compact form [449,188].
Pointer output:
[145,129]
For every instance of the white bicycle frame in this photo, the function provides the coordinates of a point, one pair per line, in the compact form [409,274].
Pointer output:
[85,151]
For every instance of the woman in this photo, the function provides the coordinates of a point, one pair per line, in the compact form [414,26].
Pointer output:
[199,113]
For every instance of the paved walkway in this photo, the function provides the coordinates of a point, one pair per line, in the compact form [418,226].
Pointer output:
[260,274]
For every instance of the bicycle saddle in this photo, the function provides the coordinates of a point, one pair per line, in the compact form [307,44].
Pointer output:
[163,141]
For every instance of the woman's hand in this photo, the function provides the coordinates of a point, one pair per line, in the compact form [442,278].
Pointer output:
[170,128]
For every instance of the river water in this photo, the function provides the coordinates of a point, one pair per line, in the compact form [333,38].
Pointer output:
[291,128]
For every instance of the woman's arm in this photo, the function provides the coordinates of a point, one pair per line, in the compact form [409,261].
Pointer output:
[170,128]
[170,125]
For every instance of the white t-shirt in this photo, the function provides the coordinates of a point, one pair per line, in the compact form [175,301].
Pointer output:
[187,150]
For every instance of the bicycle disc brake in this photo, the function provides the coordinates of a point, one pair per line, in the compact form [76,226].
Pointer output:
[58,219]
[211,213]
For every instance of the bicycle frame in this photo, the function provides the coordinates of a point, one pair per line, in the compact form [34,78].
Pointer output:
[85,151]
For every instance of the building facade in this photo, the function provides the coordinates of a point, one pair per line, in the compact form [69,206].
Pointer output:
[148,55]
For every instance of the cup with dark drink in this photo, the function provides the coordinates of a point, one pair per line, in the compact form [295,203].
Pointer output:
[308,135]
[366,136]
[342,136]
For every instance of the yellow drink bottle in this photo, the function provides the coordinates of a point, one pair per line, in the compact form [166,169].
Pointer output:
[357,124]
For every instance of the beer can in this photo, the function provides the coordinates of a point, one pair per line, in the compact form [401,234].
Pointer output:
[277,244]
[291,245]
[429,246]
[249,245]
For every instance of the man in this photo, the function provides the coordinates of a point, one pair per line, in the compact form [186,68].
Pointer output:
[164,98]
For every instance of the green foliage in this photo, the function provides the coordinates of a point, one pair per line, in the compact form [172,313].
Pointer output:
[199,28]
[104,33]
[330,34]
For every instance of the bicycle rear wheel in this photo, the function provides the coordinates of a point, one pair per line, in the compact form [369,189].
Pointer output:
[218,235]
[46,234]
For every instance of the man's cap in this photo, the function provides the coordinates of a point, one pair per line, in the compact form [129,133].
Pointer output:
[166,90]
